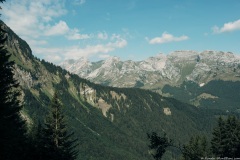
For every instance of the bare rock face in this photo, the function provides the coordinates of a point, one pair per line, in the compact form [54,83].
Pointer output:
[162,69]
[24,78]
[167,111]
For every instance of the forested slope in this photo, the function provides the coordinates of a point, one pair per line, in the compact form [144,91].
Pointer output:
[110,123]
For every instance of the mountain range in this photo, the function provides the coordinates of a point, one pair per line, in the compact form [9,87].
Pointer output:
[154,72]
[209,79]
[112,122]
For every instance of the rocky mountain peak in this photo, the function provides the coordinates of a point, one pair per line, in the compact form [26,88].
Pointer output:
[81,66]
[178,66]
[111,61]
[178,56]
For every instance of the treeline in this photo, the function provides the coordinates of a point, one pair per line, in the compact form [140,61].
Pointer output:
[52,140]
[225,143]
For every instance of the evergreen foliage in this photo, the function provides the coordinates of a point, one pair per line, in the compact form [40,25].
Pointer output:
[219,135]
[226,138]
[196,149]
[189,92]
[225,142]
[59,144]
[12,125]
[158,145]
[37,151]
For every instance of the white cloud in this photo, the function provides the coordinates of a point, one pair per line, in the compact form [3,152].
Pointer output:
[34,42]
[47,51]
[227,27]
[61,28]
[75,35]
[74,52]
[30,17]
[102,35]
[35,22]
[167,38]
[120,43]
[79,2]
[53,58]
[104,56]
[115,37]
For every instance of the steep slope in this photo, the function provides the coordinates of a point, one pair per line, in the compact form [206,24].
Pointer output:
[154,72]
[110,123]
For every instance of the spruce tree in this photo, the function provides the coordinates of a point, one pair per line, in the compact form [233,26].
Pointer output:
[219,139]
[226,138]
[37,142]
[158,145]
[12,126]
[59,144]
[196,149]
[233,137]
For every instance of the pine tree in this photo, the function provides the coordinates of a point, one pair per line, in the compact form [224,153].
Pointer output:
[196,149]
[219,139]
[158,145]
[12,126]
[59,145]
[226,138]
[37,143]
[233,137]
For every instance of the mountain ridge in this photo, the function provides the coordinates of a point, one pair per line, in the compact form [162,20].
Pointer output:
[173,69]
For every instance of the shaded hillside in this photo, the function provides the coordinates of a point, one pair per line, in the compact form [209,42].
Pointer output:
[110,123]
[215,95]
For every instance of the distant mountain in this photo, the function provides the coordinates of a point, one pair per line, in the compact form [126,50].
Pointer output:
[110,123]
[209,79]
[154,72]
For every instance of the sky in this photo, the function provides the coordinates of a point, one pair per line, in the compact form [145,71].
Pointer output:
[57,30]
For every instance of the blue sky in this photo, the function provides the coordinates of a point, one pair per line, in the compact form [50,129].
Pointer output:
[57,30]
